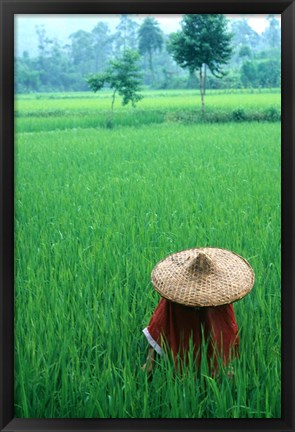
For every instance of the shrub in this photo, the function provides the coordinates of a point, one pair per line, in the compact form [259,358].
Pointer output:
[239,115]
[272,114]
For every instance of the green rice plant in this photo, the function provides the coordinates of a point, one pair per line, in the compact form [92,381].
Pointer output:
[95,210]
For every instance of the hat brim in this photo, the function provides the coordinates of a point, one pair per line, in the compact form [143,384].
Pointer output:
[231,279]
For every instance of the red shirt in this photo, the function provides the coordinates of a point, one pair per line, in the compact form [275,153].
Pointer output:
[176,324]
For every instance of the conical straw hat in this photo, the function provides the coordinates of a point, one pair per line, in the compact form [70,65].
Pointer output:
[203,277]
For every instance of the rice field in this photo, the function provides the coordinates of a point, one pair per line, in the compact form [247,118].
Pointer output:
[95,210]
[89,110]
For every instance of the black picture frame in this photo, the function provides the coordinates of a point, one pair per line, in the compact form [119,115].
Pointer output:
[8,9]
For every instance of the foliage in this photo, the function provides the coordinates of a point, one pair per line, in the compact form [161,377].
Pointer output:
[81,48]
[26,79]
[204,41]
[245,51]
[126,34]
[272,34]
[269,73]
[239,115]
[261,73]
[58,65]
[249,74]
[123,76]
[150,39]
[102,42]
[244,35]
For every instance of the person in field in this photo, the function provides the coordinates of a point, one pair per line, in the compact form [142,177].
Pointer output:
[198,287]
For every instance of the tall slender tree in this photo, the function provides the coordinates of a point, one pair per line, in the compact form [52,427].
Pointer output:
[82,52]
[102,45]
[272,34]
[44,48]
[203,42]
[150,39]
[126,35]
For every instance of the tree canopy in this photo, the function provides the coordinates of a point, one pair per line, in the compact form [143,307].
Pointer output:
[150,39]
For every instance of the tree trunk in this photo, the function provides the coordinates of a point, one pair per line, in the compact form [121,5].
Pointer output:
[151,65]
[113,101]
[202,77]
[205,76]
[202,89]
[110,117]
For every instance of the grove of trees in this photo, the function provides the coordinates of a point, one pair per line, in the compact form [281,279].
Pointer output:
[245,58]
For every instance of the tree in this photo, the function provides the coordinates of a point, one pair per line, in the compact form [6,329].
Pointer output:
[243,34]
[245,51]
[249,75]
[26,79]
[44,48]
[102,43]
[57,67]
[203,42]
[82,49]
[272,34]
[269,73]
[44,44]
[126,35]
[150,39]
[123,77]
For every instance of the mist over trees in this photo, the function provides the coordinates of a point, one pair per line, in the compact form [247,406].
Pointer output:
[60,66]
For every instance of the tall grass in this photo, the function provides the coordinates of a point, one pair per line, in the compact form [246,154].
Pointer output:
[95,210]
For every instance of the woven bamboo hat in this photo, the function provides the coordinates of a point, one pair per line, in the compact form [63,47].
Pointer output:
[203,277]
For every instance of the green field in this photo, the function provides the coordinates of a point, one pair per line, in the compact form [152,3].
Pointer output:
[97,208]
[89,110]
